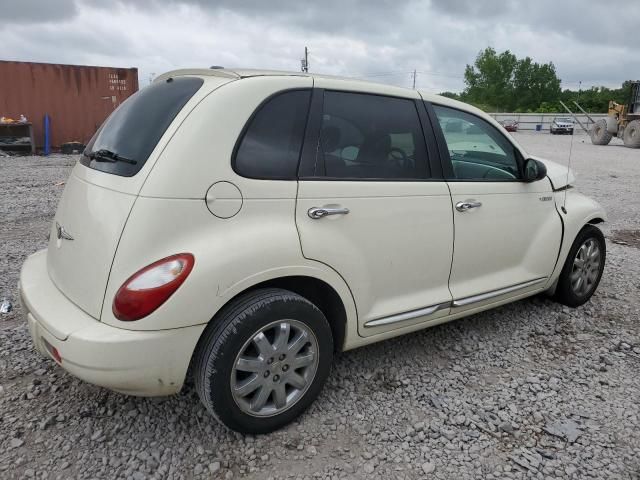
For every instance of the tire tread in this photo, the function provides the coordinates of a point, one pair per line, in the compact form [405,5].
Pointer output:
[222,327]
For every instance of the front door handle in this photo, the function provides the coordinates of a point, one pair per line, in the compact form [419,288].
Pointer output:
[467,205]
[318,212]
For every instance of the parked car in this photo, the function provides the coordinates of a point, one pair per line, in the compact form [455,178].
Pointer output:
[561,125]
[245,225]
[510,125]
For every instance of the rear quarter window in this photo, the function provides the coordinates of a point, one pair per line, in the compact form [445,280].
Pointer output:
[134,129]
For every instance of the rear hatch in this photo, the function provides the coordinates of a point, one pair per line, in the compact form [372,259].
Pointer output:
[103,186]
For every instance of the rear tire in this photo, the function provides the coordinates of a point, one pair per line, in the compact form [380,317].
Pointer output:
[599,133]
[583,268]
[263,360]
[631,135]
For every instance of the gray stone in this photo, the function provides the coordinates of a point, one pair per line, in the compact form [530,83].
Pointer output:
[16,442]
[567,429]
[428,467]
[368,467]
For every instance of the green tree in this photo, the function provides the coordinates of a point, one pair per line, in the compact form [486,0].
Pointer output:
[453,95]
[596,99]
[534,84]
[489,81]
[504,82]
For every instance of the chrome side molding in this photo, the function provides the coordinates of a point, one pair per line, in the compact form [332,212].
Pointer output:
[463,302]
[401,317]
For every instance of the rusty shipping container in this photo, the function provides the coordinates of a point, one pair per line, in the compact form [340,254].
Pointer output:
[78,98]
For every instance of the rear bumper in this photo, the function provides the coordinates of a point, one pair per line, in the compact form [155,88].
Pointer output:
[145,363]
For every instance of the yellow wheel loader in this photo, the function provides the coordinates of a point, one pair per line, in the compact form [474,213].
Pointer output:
[623,122]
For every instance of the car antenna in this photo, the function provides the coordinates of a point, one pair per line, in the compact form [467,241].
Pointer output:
[566,185]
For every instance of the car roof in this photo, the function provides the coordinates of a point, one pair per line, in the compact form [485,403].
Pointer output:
[239,73]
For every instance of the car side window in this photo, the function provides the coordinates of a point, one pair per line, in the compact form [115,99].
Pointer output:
[270,146]
[477,149]
[365,136]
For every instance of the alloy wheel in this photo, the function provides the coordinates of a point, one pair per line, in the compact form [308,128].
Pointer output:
[274,368]
[586,267]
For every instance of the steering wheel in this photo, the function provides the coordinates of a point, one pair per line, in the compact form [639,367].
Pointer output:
[399,157]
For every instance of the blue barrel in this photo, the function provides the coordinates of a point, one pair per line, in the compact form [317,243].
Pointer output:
[47,134]
[538,127]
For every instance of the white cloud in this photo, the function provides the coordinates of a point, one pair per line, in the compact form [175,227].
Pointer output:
[382,40]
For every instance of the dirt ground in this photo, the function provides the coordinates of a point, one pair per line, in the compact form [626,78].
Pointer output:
[529,390]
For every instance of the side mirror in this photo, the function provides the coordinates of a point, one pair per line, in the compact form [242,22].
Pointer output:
[534,170]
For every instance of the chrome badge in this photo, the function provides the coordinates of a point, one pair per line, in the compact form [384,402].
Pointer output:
[546,199]
[61,233]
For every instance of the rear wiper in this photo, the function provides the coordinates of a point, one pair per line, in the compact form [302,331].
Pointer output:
[104,155]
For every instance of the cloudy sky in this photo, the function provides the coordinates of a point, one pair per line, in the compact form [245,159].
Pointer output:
[382,40]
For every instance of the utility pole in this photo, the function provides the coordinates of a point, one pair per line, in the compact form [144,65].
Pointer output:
[414,79]
[305,61]
[579,89]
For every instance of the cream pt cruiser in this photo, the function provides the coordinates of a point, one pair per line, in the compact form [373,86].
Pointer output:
[245,225]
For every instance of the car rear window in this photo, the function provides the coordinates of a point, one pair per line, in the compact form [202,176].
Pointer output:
[270,146]
[132,131]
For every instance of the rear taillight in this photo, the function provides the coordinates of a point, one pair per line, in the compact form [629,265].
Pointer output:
[150,287]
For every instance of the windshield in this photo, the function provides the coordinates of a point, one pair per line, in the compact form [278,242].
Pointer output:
[126,139]
[563,119]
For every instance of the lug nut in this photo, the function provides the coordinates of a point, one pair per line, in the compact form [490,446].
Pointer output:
[285,368]
[270,361]
[266,374]
[282,357]
[276,378]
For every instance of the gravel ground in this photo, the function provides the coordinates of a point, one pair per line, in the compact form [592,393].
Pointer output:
[529,390]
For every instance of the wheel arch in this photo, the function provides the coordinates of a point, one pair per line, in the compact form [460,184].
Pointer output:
[580,212]
[318,291]
[330,295]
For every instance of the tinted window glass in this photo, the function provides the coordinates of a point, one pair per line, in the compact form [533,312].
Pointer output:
[271,144]
[134,129]
[477,149]
[370,136]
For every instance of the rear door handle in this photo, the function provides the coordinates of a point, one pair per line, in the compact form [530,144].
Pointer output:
[467,205]
[318,212]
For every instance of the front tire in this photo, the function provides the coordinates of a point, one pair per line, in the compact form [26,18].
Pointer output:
[599,133]
[263,360]
[583,268]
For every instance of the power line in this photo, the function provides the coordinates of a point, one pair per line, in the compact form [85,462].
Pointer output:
[438,74]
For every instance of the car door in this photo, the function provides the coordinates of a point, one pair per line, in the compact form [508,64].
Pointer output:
[507,231]
[369,206]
